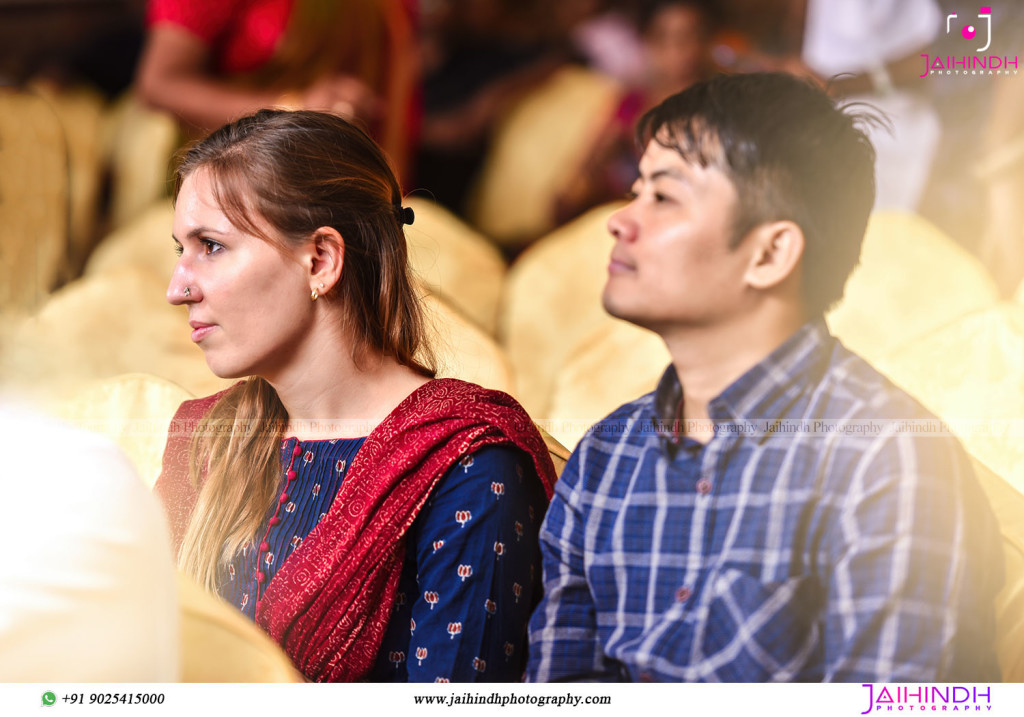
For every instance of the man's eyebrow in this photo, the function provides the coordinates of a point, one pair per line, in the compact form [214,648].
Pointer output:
[669,172]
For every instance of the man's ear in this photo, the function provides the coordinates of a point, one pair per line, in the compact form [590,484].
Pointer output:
[325,258]
[777,249]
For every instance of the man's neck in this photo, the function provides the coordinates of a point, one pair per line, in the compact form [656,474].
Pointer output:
[708,359]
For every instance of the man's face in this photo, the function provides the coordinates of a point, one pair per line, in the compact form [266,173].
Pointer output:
[671,266]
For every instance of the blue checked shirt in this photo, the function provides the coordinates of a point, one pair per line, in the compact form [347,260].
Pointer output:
[812,538]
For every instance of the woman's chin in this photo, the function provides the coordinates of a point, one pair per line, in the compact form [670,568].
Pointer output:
[222,370]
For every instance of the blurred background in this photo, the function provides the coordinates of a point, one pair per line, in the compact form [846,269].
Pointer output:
[511,125]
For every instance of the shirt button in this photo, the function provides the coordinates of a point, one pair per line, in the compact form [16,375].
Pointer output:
[703,486]
[683,594]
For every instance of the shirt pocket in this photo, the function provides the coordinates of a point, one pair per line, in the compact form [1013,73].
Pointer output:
[757,631]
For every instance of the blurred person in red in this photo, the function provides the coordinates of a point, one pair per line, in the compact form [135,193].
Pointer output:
[212,61]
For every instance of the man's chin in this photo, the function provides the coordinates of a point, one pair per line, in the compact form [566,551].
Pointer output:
[616,310]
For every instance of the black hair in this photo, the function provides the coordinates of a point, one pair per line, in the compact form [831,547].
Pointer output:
[791,153]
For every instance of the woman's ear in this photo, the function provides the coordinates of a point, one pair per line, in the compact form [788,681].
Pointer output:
[326,257]
[778,248]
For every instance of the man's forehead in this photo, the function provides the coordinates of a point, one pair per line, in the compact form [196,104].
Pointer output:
[660,161]
[690,144]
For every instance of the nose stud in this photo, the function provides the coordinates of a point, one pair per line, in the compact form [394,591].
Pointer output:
[188,292]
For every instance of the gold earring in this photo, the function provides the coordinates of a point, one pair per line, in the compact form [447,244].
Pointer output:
[314,295]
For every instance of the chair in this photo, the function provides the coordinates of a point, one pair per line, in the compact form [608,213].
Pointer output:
[143,242]
[455,262]
[1008,505]
[970,373]
[618,363]
[535,151]
[912,278]
[139,145]
[134,410]
[552,302]
[81,111]
[34,209]
[559,453]
[218,643]
[462,349]
[104,325]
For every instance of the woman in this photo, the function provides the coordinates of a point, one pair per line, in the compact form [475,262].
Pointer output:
[376,522]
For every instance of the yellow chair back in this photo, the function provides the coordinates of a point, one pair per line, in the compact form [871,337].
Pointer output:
[536,149]
[462,349]
[143,242]
[139,145]
[1008,505]
[616,364]
[219,644]
[552,302]
[455,262]
[101,326]
[134,410]
[34,209]
[970,373]
[912,279]
[81,111]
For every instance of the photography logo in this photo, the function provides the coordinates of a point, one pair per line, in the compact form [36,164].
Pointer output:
[969,31]
[975,31]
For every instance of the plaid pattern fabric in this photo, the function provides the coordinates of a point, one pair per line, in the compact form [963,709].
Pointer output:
[768,554]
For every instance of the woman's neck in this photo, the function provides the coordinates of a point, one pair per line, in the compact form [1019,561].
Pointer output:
[343,399]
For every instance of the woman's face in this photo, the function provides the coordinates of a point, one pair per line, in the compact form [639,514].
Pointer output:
[248,301]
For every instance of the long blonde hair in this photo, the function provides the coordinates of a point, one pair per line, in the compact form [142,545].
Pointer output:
[297,172]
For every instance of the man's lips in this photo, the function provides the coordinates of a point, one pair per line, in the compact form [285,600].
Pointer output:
[619,265]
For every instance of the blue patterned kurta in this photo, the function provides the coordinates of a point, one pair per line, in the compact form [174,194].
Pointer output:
[472,565]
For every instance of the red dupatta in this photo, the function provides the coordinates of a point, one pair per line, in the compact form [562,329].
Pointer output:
[328,605]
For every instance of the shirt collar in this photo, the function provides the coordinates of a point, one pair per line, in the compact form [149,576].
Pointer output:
[765,391]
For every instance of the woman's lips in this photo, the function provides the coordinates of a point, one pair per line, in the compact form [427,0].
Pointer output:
[200,330]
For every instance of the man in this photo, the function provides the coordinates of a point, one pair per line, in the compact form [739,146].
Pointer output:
[759,516]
